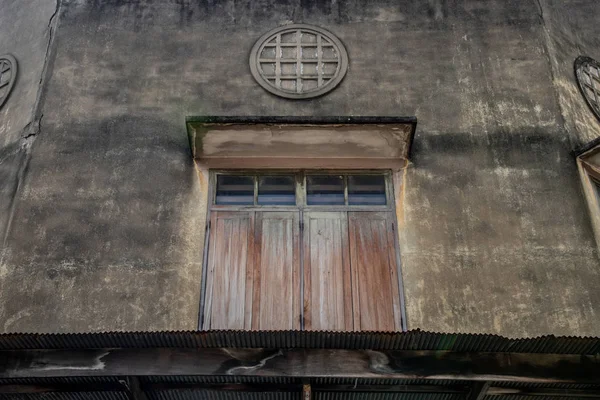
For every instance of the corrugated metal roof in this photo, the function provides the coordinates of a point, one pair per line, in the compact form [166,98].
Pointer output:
[280,388]
[73,380]
[386,396]
[411,340]
[220,379]
[229,395]
[65,396]
[284,380]
[382,381]
[522,397]
[545,385]
[221,395]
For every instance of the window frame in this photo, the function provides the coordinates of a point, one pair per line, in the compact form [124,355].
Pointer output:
[590,180]
[300,179]
[301,207]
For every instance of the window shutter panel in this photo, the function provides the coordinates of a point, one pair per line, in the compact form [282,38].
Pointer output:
[276,300]
[228,301]
[327,284]
[375,294]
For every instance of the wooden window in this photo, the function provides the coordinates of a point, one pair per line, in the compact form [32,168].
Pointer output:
[589,170]
[327,279]
[302,250]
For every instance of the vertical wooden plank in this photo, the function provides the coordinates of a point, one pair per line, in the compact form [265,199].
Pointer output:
[375,282]
[354,273]
[228,265]
[277,273]
[327,282]
[393,269]
[306,272]
[250,274]
[347,275]
[256,278]
[296,273]
[214,234]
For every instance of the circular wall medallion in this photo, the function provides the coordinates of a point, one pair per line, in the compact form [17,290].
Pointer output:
[587,71]
[298,61]
[8,76]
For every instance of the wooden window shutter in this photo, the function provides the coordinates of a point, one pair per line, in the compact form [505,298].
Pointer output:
[276,301]
[253,276]
[375,293]
[228,301]
[327,284]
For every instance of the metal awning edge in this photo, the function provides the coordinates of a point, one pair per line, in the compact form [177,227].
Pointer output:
[410,340]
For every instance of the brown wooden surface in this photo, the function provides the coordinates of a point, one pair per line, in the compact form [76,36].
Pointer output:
[254,272]
[375,291]
[327,284]
[228,301]
[276,303]
[435,365]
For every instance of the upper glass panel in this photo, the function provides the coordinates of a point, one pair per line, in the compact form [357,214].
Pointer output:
[367,190]
[235,190]
[281,189]
[277,190]
[325,190]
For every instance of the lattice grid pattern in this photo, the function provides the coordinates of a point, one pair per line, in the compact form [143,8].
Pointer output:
[7,75]
[299,61]
[588,77]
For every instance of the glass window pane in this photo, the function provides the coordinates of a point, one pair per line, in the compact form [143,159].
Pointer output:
[235,190]
[324,190]
[276,190]
[366,190]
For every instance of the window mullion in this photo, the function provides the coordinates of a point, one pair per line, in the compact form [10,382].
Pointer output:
[300,190]
[345,189]
[255,190]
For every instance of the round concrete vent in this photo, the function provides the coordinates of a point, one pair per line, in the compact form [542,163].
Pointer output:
[8,76]
[298,61]
[587,71]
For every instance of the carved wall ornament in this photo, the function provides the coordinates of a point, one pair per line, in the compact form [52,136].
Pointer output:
[587,72]
[298,61]
[8,76]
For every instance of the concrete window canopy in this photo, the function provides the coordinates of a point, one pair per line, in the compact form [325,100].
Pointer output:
[301,142]
[588,163]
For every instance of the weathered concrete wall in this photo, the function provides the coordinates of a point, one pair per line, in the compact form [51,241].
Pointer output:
[571,28]
[25,33]
[494,233]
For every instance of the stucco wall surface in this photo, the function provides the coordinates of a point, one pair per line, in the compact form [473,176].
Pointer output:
[25,33]
[572,31]
[494,231]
